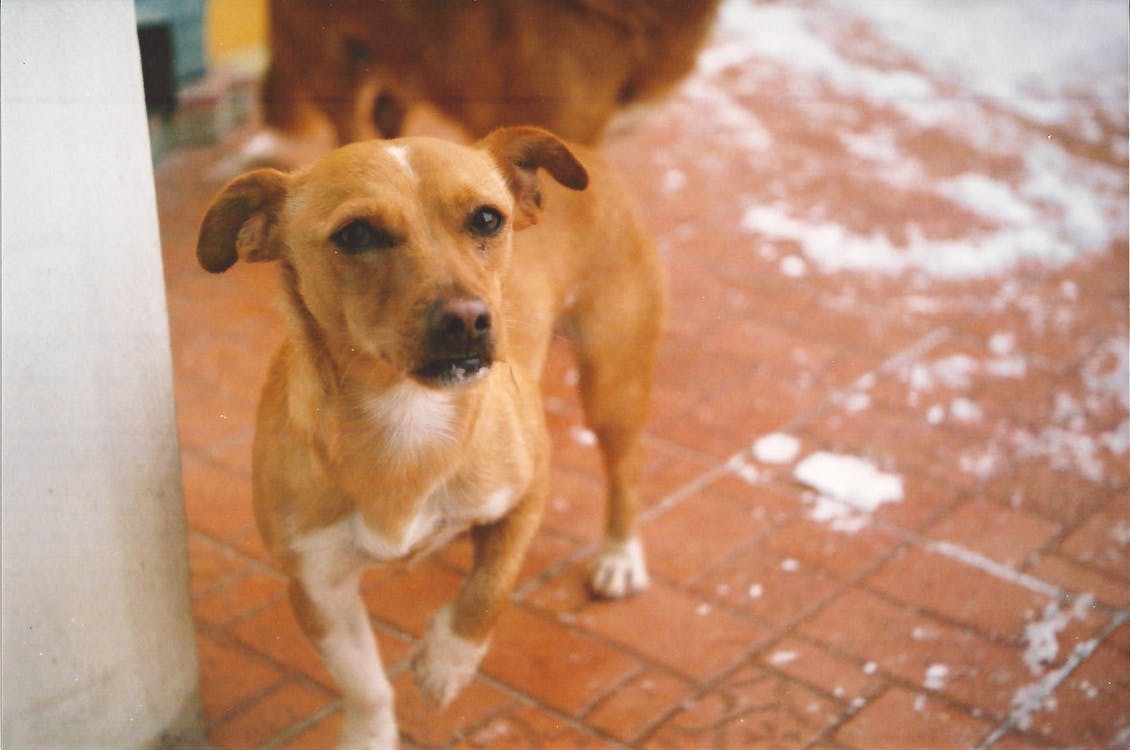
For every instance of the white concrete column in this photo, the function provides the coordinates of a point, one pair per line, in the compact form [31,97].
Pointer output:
[98,647]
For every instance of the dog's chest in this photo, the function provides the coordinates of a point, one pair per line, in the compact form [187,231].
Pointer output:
[441,516]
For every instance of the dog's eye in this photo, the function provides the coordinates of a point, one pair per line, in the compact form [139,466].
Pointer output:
[485,221]
[359,236]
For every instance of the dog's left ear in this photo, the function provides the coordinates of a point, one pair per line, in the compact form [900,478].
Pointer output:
[519,153]
[240,223]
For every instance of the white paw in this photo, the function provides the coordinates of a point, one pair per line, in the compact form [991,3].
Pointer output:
[443,662]
[619,569]
[368,730]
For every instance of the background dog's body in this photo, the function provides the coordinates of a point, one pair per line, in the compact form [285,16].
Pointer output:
[565,65]
[404,408]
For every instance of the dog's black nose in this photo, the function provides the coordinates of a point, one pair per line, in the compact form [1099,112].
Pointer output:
[459,345]
[462,320]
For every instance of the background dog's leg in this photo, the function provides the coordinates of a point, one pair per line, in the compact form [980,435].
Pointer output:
[331,613]
[457,637]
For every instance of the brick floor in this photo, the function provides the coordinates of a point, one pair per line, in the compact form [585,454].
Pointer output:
[791,200]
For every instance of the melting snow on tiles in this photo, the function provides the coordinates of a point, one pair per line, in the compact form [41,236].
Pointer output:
[1054,208]
[849,489]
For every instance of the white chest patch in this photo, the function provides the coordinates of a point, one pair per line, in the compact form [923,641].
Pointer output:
[411,416]
[331,553]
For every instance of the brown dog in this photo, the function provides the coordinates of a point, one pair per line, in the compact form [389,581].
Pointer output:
[565,65]
[423,282]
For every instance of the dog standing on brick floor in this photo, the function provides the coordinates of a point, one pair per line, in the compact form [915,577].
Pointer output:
[360,66]
[423,281]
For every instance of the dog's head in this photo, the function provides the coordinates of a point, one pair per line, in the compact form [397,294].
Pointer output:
[393,251]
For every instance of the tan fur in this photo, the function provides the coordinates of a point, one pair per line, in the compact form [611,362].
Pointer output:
[360,458]
[566,65]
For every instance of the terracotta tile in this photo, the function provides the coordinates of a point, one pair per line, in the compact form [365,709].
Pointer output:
[274,633]
[235,454]
[844,555]
[752,708]
[239,597]
[430,727]
[564,593]
[638,704]
[1004,535]
[1034,487]
[1102,541]
[924,500]
[847,366]
[321,735]
[217,500]
[760,582]
[229,676]
[202,304]
[210,565]
[758,341]
[528,727]
[700,430]
[857,328]
[938,583]
[771,502]
[268,717]
[727,417]
[668,470]
[564,669]
[576,504]
[682,632]
[701,530]
[233,366]
[901,719]
[206,417]
[408,599]
[1119,639]
[546,551]
[896,640]
[251,544]
[848,681]
[1079,579]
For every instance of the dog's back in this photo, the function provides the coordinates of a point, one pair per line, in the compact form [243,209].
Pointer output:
[566,65]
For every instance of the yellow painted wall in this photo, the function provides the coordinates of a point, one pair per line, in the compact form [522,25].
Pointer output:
[235,28]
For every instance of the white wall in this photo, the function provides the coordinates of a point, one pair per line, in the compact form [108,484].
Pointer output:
[98,648]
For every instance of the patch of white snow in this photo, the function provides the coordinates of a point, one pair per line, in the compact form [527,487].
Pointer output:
[776,448]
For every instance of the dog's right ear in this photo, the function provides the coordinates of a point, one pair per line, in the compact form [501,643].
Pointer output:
[519,152]
[241,222]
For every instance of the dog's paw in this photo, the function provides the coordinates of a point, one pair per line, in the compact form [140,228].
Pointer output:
[443,662]
[619,569]
[369,731]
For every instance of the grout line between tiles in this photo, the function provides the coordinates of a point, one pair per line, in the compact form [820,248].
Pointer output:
[1042,689]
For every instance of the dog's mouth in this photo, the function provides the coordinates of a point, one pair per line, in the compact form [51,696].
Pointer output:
[454,371]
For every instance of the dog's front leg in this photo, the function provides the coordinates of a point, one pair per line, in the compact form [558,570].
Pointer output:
[328,607]
[457,636]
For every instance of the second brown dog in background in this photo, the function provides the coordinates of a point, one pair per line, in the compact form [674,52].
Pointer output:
[565,65]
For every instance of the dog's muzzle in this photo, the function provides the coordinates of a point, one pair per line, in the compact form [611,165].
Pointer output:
[459,341]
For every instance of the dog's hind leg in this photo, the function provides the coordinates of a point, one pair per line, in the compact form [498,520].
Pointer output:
[615,340]
[329,609]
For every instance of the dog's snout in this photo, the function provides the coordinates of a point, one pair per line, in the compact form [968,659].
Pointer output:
[460,344]
[463,319]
